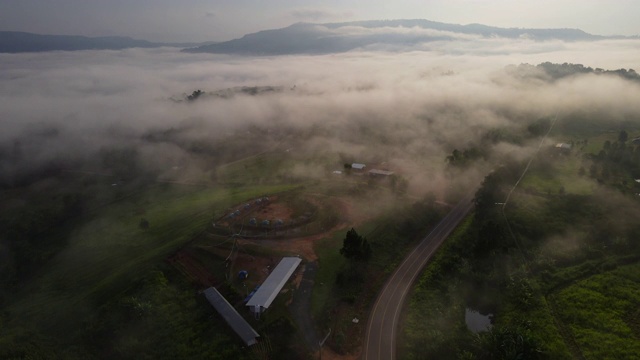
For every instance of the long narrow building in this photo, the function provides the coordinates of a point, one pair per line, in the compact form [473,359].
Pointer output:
[268,291]
[231,316]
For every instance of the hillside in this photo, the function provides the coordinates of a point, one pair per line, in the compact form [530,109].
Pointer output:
[309,38]
[19,42]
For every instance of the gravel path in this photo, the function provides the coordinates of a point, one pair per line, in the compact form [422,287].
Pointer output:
[301,306]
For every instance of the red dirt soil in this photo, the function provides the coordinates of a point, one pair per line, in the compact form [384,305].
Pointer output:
[304,246]
[275,210]
[258,267]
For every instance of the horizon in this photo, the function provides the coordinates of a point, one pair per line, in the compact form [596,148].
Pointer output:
[200,21]
[325,23]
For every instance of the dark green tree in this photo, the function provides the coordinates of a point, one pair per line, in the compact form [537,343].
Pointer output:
[623,136]
[355,247]
[491,236]
[144,224]
[539,127]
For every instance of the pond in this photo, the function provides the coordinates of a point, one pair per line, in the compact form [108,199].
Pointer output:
[476,322]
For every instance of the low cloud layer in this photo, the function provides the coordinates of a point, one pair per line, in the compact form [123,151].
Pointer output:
[409,110]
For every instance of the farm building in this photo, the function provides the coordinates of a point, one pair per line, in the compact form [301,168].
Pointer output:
[357,166]
[376,172]
[268,291]
[563,147]
[231,316]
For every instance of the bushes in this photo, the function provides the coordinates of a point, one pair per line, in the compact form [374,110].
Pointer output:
[598,309]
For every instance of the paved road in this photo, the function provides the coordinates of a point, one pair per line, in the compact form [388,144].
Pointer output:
[380,340]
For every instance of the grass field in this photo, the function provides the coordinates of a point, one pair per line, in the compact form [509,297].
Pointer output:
[264,168]
[559,177]
[601,313]
[111,251]
[330,262]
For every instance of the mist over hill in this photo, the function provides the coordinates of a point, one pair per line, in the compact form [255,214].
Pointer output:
[310,38]
[106,170]
[19,42]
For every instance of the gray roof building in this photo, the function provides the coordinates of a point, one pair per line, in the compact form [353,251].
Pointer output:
[376,172]
[268,291]
[231,316]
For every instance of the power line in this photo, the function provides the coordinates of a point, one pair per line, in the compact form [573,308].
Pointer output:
[524,172]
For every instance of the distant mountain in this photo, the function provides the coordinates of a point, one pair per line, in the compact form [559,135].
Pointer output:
[308,38]
[18,42]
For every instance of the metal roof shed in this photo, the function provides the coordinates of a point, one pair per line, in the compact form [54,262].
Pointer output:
[376,172]
[231,316]
[268,291]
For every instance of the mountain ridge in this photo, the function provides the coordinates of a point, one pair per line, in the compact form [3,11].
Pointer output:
[316,38]
[20,42]
[304,38]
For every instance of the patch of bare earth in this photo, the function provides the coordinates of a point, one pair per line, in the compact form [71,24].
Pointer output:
[303,246]
[258,267]
[275,210]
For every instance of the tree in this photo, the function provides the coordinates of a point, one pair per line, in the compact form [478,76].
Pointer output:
[623,136]
[539,127]
[144,224]
[355,247]
[491,236]
[195,95]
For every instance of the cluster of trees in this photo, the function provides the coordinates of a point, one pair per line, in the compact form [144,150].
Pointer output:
[461,158]
[559,71]
[507,269]
[482,150]
[476,268]
[618,159]
[195,95]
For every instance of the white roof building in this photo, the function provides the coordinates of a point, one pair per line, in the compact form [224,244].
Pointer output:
[268,291]
[358,166]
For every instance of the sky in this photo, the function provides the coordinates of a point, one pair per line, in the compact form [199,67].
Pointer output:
[208,20]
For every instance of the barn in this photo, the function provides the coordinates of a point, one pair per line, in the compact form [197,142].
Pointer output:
[268,291]
[231,316]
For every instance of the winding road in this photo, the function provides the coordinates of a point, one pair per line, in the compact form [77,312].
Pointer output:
[380,339]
